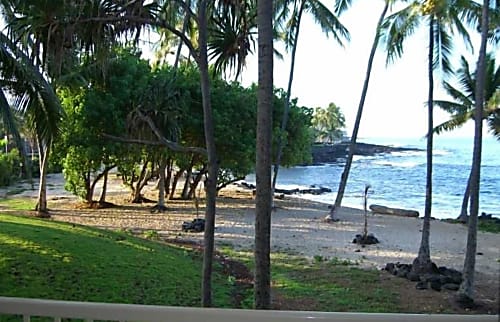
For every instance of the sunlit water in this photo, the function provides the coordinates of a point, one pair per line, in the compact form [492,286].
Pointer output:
[398,179]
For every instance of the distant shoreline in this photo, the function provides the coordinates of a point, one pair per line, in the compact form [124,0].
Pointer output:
[331,153]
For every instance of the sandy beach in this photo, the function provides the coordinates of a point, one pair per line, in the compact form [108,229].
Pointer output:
[297,228]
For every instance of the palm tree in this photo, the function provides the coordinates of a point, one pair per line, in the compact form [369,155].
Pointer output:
[232,30]
[357,123]
[465,292]
[328,123]
[441,18]
[35,100]
[329,24]
[55,34]
[462,109]
[263,198]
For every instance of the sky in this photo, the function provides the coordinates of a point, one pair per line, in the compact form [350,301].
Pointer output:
[326,72]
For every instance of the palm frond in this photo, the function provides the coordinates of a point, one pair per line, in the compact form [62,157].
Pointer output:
[8,119]
[341,6]
[397,27]
[231,39]
[443,48]
[453,123]
[328,21]
[463,97]
[34,96]
[453,107]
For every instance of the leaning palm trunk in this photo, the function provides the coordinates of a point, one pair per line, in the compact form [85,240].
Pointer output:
[184,28]
[464,216]
[465,293]
[286,110]
[423,264]
[352,145]
[263,197]
[161,184]
[41,206]
[211,183]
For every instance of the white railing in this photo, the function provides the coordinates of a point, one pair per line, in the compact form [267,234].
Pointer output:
[89,311]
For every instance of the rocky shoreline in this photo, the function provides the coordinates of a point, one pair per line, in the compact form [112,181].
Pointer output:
[338,152]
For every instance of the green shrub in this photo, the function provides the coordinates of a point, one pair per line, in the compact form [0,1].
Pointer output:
[10,167]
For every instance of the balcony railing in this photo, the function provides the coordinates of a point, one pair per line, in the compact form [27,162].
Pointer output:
[88,311]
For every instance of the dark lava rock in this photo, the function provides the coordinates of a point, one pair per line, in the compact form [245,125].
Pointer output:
[390,267]
[456,276]
[365,240]
[328,153]
[414,277]
[439,278]
[197,225]
[436,285]
[451,286]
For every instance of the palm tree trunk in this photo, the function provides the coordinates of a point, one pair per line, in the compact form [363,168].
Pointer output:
[464,216]
[211,183]
[179,48]
[423,264]
[286,110]
[168,176]
[357,123]
[41,206]
[161,184]
[263,198]
[465,292]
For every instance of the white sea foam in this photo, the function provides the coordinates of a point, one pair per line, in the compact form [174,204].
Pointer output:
[404,164]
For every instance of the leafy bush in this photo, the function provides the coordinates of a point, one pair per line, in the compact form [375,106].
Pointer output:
[10,167]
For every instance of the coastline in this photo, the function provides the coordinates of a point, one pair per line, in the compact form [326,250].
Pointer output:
[298,227]
[330,153]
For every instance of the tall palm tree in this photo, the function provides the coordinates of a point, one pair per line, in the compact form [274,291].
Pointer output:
[465,292]
[442,18]
[263,198]
[462,109]
[329,24]
[357,122]
[34,99]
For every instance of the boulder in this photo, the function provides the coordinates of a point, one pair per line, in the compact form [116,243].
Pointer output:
[438,279]
[369,239]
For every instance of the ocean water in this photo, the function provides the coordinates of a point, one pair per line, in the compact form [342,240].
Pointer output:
[398,179]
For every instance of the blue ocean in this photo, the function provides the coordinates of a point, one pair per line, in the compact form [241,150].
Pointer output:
[398,179]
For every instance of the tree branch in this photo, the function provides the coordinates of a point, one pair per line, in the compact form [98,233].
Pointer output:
[147,21]
[164,142]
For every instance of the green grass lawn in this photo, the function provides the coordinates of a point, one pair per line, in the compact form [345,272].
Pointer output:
[18,203]
[53,260]
[323,284]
